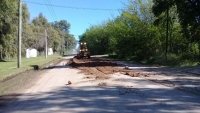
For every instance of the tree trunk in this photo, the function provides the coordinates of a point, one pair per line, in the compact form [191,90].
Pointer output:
[1,55]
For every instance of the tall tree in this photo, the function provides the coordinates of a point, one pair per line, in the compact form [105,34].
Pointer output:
[41,21]
[8,17]
[188,13]
[68,40]
[62,25]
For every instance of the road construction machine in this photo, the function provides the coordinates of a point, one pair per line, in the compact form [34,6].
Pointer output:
[83,52]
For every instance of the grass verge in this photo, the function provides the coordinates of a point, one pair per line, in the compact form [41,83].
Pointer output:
[9,68]
[160,60]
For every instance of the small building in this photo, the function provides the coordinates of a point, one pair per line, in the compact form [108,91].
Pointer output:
[50,51]
[31,53]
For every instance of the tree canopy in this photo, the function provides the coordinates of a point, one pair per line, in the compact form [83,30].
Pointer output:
[33,33]
[139,32]
[188,14]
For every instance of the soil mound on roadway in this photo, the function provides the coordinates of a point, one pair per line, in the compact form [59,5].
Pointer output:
[101,68]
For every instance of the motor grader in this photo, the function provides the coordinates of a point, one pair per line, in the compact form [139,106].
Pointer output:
[83,52]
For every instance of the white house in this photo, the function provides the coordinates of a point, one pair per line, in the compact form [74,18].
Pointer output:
[31,53]
[50,51]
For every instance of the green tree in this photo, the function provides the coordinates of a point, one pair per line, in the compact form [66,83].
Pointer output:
[188,14]
[8,17]
[41,21]
[68,41]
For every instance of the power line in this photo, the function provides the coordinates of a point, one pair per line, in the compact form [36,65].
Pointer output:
[50,11]
[80,8]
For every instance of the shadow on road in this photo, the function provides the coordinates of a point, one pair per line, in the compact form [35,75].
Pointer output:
[69,55]
[59,67]
[106,99]
[189,70]
[184,78]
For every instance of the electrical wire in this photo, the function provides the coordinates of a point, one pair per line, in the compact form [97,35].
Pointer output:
[50,11]
[69,7]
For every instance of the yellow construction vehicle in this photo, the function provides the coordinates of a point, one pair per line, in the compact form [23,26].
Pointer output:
[83,52]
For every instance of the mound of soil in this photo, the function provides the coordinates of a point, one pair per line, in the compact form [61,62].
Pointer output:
[100,68]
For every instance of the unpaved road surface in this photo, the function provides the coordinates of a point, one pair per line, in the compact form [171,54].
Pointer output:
[99,85]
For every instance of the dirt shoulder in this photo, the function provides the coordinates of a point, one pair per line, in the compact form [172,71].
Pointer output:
[14,86]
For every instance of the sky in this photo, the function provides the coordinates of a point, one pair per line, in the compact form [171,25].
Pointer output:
[81,14]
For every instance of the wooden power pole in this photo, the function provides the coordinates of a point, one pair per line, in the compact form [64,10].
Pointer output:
[167,29]
[67,45]
[46,49]
[19,34]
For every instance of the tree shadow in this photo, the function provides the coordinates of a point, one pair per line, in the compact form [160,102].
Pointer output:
[58,67]
[2,60]
[35,67]
[107,99]
[6,99]
[69,55]
[7,61]
[184,78]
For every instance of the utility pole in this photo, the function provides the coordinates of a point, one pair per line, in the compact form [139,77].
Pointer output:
[67,46]
[167,29]
[19,33]
[199,52]
[62,44]
[46,43]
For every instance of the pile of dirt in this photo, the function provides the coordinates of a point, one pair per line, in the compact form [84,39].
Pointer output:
[101,68]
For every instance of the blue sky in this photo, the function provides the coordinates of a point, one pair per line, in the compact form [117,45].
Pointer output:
[80,19]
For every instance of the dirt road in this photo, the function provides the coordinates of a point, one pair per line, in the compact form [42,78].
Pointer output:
[99,85]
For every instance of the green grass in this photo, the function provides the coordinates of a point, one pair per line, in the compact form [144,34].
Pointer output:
[9,67]
[160,60]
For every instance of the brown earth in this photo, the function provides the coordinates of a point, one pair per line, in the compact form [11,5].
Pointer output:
[101,68]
